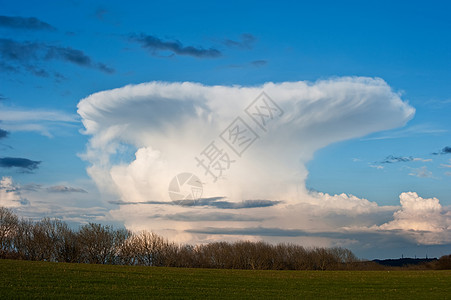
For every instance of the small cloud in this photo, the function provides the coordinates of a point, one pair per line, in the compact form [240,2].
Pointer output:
[255,64]
[24,23]
[65,189]
[259,63]
[246,41]
[446,150]
[379,167]
[155,44]
[422,159]
[17,162]
[448,173]
[100,13]
[422,172]
[391,159]
[3,133]
[396,159]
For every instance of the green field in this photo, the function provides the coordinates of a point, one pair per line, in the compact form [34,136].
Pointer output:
[25,279]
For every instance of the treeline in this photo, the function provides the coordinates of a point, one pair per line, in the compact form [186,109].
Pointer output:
[53,240]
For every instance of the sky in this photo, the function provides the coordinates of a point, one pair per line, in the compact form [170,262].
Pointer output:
[320,123]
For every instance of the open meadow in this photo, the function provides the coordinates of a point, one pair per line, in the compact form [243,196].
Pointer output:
[29,279]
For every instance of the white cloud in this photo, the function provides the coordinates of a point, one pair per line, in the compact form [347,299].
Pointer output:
[424,218]
[422,172]
[446,165]
[169,124]
[42,121]
[422,159]
[379,167]
[9,194]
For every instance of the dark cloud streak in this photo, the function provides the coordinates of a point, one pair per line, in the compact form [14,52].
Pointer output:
[65,189]
[210,217]
[26,54]
[216,202]
[396,159]
[24,23]
[246,41]
[446,150]
[23,163]
[155,44]
[3,133]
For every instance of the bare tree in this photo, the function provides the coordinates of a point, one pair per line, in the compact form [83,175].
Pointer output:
[8,230]
[100,244]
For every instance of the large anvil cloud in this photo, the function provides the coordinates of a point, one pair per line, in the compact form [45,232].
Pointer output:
[169,126]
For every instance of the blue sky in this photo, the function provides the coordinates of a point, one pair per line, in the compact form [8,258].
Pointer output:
[55,53]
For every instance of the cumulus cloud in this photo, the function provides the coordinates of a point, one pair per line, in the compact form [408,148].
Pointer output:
[169,125]
[155,44]
[24,23]
[422,217]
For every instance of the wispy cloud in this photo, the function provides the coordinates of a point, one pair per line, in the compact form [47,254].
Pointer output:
[65,189]
[42,121]
[100,13]
[212,216]
[24,23]
[25,55]
[379,167]
[417,130]
[255,64]
[422,172]
[155,44]
[391,159]
[396,159]
[246,41]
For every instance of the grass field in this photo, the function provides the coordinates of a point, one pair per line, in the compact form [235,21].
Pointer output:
[25,279]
